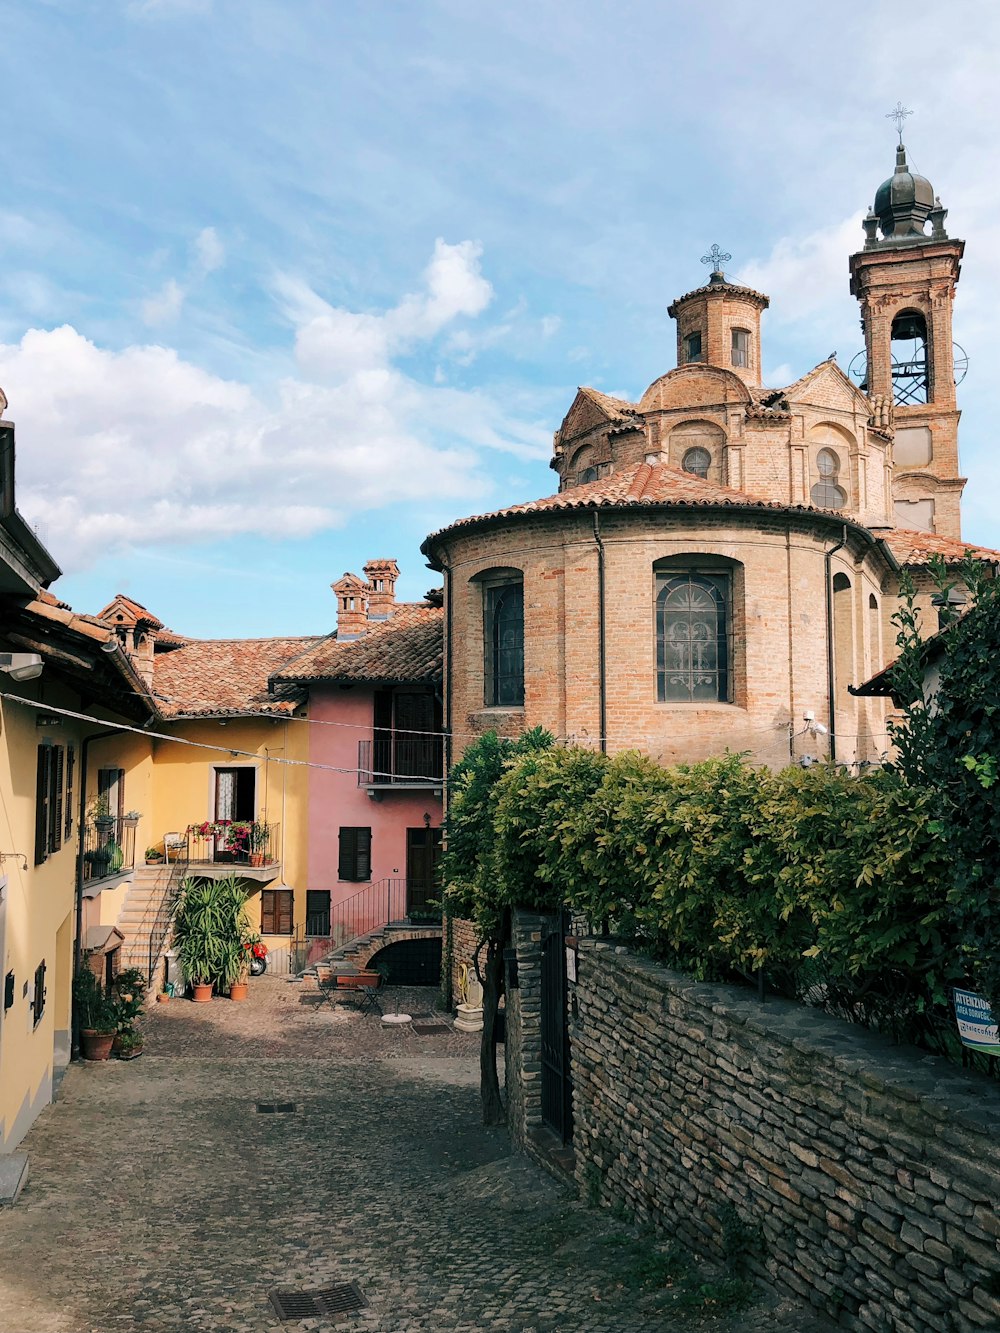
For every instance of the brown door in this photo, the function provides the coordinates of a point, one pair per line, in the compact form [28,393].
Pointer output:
[423,847]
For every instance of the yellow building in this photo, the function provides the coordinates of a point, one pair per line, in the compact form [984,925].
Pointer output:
[225,767]
[52,664]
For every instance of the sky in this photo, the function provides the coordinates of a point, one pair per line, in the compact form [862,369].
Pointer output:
[288,284]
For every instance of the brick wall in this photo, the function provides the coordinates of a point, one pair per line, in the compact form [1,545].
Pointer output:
[779,639]
[871,1171]
[463,948]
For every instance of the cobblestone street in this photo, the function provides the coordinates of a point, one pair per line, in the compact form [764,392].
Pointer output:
[159,1199]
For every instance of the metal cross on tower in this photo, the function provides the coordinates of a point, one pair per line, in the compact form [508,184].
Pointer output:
[899,114]
[716,257]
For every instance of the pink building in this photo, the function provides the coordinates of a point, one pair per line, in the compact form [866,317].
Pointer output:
[375,791]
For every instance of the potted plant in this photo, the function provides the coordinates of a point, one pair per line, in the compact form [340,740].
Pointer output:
[96,1014]
[99,813]
[154,856]
[198,933]
[131,818]
[210,930]
[128,993]
[260,836]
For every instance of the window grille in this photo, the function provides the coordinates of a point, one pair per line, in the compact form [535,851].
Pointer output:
[697,461]
[504,645]
[692,645]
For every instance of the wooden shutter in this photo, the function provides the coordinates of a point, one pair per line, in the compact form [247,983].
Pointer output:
[56,799]
[283,912]
[355,861]
[363,856]
[42,789]
[267,912]
[70,766]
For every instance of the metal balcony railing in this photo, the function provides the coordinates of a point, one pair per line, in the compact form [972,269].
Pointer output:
[108,848]
[396,758]
[251,843]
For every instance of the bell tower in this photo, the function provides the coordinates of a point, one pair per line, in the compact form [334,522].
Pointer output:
[904,279]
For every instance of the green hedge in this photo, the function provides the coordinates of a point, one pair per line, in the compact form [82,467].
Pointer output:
[835,887]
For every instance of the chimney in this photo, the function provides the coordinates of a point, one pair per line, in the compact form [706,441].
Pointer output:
[142,655]
[352,607]
[381,576]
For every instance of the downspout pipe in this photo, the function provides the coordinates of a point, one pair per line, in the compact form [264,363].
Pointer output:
[831,682]
[601,627]
[81,820]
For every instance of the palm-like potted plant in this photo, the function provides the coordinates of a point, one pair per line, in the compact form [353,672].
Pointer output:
[210,934]
[199,922]
[96,1013]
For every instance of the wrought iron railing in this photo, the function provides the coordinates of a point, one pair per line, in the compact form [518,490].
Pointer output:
[386,902]
[108,848]
[159,926]
[232,842]
[393,758]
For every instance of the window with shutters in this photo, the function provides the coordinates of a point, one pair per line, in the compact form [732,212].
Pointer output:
[276,912]
[70,775]
[49,801]
[38,998]
[355,854]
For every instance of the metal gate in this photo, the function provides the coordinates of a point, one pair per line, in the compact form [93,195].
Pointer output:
[557,1086]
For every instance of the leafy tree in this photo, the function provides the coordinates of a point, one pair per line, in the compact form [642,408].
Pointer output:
[948,740]
[468,870]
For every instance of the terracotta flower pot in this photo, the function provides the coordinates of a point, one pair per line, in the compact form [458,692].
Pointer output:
[239,990]
[256,858]
[96,1045]
[162,997]
[202,992]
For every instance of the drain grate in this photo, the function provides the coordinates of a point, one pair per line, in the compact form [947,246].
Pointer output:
[275,1108]
[341,1298]
[430,1029]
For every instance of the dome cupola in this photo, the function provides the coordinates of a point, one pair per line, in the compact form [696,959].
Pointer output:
[904,202]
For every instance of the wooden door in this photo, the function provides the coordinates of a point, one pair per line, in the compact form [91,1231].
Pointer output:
[423,847]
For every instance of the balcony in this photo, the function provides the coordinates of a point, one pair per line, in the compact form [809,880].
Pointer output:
[250,849]
[108,851]
[394,761]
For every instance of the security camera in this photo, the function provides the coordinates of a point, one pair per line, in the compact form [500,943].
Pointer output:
[817,728]
[22,666]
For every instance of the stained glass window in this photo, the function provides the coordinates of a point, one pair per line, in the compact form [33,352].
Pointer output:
[692,647]
[504,644]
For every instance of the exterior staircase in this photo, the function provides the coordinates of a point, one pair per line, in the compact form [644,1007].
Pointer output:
[145,916]
[360,950]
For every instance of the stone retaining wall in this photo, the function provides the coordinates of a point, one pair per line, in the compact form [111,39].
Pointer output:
[522,1042]
[870,1172]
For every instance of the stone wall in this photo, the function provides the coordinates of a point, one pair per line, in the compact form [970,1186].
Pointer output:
[871,1172]
[522,1044]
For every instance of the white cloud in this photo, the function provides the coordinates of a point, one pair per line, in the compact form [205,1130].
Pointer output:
[209,251]
[332,344]
[165,306]
[118,448]
[804,276]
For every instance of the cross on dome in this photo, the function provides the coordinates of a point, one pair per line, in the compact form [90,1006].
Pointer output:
[716,257]
[899,114]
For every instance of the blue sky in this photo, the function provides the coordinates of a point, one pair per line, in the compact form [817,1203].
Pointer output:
[288,285]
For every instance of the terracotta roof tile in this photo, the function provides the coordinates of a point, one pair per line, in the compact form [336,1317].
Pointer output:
[916,548]
[640,484]
[615,407]
[409,647]
[226,677]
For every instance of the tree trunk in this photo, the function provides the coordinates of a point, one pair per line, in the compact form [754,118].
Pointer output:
[494,1112]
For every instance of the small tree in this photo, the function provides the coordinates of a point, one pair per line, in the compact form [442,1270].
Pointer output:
[470,877]
[950,742]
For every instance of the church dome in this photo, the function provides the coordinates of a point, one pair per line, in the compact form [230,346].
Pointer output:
[903,202]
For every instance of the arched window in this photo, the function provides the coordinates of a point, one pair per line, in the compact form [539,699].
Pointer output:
[503,642]
[698,461]
[874,635]
[827,494]
[588,474]
[692,644]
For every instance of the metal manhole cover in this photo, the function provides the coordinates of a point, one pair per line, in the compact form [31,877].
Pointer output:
[430,1029]
[276,1108]
[341,1298]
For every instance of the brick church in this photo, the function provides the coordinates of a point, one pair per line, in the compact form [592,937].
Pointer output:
[722,559]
